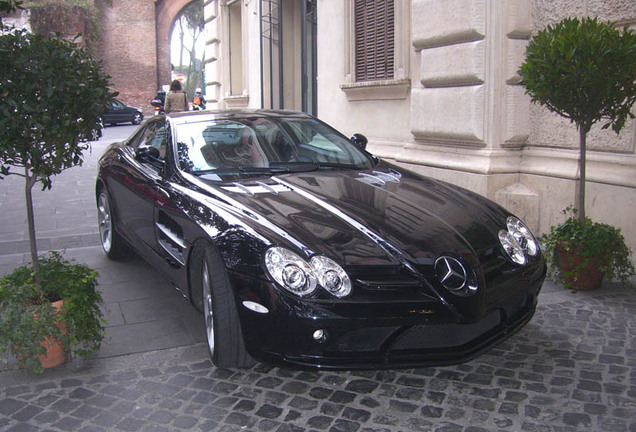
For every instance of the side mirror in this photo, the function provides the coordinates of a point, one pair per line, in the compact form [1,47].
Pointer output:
[148,154]
[359,141]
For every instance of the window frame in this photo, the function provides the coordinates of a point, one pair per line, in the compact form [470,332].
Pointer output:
[395,88]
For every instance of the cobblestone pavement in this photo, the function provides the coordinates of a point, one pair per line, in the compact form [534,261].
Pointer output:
[573,368]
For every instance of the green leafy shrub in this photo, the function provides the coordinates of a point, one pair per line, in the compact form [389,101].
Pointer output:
[597,243]
[27,316]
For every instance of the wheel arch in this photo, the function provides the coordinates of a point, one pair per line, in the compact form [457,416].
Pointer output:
[197,251]
[99,185]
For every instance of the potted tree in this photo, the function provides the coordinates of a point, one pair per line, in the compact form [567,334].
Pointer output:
[52,95]
[585,71]
[581,255]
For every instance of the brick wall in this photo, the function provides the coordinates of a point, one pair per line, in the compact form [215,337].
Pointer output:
[128,49]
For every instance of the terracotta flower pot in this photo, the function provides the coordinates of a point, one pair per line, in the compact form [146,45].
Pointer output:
[586,278]
[55,354]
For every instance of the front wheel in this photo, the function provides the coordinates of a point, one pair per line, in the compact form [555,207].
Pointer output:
[113,245]
[222,325]
[137,118]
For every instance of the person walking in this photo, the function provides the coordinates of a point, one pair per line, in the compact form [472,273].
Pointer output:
[176,99]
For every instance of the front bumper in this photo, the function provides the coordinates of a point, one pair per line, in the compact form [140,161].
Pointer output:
[390,334]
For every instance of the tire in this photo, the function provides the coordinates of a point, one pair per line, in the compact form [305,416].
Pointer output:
[112,243]
[222,326]
[137,118]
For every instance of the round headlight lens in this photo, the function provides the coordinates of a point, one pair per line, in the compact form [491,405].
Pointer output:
[522,235]
[290,271]
[518,241]
[331,276]
[512,248]
[294,277]
[302,278]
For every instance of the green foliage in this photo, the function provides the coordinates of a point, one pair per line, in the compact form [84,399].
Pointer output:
[64,16]
[27,317]
[601,244]
[10,5]
[52,94]
[584,70]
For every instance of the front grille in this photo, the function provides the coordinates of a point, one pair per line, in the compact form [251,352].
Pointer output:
[363,340]
[445,335]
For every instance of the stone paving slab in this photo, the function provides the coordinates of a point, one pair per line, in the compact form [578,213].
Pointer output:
[573,368]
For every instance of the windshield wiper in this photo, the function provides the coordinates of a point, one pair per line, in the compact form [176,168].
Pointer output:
[336,165]
[282,167]
[276,168]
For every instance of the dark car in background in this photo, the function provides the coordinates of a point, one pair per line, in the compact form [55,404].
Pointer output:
[118,112]
[302,248]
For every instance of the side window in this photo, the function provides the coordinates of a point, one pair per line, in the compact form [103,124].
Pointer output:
[134,142]
[153,135]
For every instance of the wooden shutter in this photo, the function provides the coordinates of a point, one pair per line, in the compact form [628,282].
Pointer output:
[374,39]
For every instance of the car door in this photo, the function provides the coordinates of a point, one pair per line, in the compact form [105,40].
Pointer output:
[135,185]
[116,113]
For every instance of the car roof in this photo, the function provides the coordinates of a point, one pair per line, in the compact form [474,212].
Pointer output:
[184,117]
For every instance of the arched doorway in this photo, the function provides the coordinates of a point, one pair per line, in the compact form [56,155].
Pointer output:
[167,12]
[187,48]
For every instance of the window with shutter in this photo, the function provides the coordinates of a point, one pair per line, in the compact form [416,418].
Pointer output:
[377,49]
[374,22]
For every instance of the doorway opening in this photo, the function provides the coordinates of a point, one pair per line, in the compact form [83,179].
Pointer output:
[187,48]
[288,55]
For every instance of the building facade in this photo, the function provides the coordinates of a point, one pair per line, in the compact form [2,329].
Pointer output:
[434,86]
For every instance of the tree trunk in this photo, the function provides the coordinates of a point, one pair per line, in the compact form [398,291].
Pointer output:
[580,199]
[181,38]
[28,189]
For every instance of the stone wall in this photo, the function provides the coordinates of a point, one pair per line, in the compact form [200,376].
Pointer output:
[466,120]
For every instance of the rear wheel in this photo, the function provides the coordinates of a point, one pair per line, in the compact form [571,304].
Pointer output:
[137,118]
[222,325]
[113,245]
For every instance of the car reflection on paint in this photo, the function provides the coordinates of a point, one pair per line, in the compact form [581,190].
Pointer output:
[301,248]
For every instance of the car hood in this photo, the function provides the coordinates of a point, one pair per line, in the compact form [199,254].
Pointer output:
[377,217]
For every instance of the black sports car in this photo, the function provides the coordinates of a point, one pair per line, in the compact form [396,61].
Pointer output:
[118,112]
[302,248]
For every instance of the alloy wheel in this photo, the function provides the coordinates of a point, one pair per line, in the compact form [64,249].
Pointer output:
[208,311]
[105,221]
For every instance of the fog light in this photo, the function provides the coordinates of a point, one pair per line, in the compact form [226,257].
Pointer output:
[320,335]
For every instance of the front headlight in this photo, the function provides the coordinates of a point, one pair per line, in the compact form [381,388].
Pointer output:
[518,241]
[331,276]
[290,271]
[301,278]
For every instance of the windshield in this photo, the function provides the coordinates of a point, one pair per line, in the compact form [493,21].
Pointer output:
[261,144]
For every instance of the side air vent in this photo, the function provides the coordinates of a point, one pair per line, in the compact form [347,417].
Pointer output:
[170,238]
